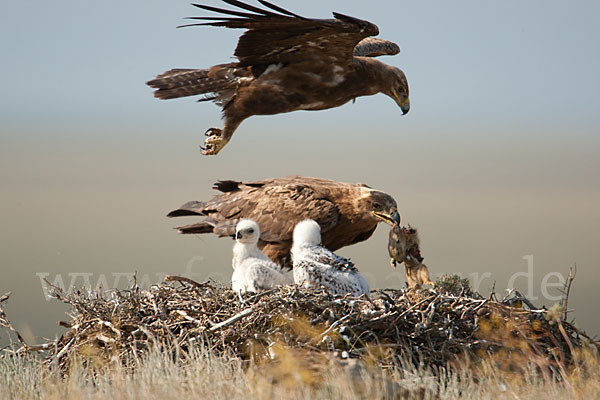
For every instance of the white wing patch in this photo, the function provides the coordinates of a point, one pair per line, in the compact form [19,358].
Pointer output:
[272,68]
[314,76]
[338,76]
[311,106]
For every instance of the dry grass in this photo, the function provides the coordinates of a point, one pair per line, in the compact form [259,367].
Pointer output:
[294,374]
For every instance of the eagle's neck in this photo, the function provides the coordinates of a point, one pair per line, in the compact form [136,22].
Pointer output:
[373,72]
[353,205]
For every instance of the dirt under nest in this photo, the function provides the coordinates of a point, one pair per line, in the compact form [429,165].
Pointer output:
[431,327]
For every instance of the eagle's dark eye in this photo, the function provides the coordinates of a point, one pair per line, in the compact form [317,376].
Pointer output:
[377,206]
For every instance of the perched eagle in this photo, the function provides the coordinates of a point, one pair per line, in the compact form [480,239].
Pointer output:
[347,213]
[253,271]
[286,63]
[317,267]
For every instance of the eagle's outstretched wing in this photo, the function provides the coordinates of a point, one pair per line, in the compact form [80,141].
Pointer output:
[280,36]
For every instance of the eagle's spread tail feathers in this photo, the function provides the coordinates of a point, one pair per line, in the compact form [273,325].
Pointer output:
[188,209]
[221,229]
[200,227]
[187,82]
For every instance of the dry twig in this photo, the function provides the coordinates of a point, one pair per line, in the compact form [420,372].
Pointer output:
[435,328]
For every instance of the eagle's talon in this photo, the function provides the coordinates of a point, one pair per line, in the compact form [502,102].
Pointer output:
[212,132]
[212,145]
[206,150]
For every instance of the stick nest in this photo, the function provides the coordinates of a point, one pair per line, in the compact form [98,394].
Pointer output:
[427,326]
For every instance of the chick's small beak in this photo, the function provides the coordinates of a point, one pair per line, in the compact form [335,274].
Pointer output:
[238,235]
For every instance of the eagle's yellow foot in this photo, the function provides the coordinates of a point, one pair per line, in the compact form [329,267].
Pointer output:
[213,143]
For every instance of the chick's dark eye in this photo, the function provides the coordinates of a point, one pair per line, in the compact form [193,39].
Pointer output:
[250,230]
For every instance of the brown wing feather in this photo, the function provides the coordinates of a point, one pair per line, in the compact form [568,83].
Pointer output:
[375,47]
[277,209]
[276,205]
[273,38]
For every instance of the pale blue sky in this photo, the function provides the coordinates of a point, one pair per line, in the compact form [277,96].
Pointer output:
[510,62]
[498,158]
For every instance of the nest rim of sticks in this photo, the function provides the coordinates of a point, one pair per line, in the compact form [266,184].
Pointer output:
[427,326]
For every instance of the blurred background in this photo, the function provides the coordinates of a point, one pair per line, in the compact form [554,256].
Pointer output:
[497,164]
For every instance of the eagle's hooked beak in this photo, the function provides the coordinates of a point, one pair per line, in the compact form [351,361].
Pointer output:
[392,218]
[402,101]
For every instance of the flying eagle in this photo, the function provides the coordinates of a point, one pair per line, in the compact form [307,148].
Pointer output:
[317,267]
[404,247]
[286,63]
[347,213]
[253,271]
